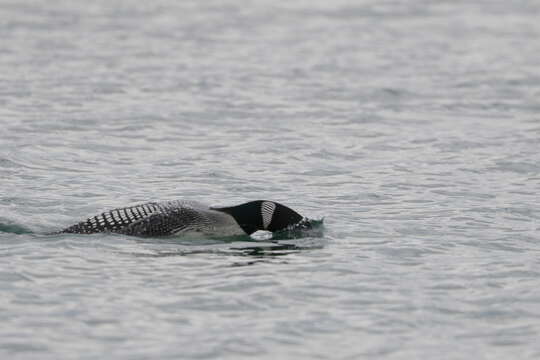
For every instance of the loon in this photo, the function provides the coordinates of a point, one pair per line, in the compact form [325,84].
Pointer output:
[179,217]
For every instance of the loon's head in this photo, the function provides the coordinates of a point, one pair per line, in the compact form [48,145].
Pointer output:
[262,215]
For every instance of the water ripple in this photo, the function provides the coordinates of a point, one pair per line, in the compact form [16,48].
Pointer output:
[420,151]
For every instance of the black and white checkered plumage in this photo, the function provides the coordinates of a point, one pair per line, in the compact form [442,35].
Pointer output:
[156,219]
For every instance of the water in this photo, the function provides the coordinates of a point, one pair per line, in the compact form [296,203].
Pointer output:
[412,127]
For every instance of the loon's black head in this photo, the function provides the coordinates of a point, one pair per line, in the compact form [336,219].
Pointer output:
[262,215]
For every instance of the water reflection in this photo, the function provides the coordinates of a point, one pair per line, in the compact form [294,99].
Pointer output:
[264,250]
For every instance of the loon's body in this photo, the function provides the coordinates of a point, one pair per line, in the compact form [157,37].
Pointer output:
[178,217]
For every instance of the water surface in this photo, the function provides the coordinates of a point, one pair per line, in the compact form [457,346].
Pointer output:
[412,126]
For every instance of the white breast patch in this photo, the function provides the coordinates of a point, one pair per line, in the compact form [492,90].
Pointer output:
[267,211]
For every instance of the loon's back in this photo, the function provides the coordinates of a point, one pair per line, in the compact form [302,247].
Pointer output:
[159,219]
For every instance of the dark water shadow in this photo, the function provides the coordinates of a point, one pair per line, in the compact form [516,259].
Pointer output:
[260,252]
[259,248]
[14,229]
[194,240]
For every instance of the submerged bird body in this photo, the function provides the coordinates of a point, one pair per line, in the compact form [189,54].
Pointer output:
[179,217]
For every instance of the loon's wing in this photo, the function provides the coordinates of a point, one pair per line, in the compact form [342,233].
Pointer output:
[170,221]
[150,219]
[117,219]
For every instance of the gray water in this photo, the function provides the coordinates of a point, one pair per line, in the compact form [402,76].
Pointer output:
[413,127]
